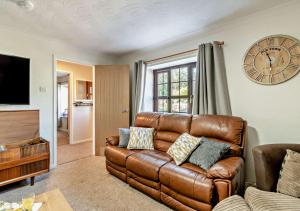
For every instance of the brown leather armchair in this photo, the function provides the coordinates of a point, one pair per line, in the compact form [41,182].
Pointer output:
[267,161]
[184,187]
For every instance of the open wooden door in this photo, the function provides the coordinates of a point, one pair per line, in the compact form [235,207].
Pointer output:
[111,102]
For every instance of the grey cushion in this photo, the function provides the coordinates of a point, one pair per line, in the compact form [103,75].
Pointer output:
[208,153]
[124,134]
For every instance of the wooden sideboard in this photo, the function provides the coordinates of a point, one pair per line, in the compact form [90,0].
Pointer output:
[27,154]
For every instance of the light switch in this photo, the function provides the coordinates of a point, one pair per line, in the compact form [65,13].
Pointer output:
[42,89]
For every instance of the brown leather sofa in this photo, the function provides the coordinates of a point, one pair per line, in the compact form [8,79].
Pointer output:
[268,161]
[184,187]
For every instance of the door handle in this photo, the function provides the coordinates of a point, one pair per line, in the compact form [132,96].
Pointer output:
[125,111]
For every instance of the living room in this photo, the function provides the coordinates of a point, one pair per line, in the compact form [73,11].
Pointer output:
[131,45]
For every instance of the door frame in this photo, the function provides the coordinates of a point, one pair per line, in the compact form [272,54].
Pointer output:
[54,106]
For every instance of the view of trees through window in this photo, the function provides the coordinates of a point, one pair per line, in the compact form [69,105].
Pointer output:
[173,88]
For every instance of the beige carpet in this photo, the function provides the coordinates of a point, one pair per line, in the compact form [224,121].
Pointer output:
[71,152]
[86,186]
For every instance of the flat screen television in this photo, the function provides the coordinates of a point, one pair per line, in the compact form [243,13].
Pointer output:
[14,80]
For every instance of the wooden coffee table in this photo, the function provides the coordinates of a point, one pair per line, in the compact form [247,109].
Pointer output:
[53,201]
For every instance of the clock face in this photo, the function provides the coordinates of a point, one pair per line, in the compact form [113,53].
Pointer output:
[273,60]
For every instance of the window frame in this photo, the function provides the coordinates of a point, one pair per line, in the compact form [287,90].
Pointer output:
[169,97]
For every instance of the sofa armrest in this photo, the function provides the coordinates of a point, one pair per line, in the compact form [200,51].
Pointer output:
[227,168]
[112,140]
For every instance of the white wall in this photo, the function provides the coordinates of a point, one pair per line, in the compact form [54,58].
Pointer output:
[82,124]
[272,112]
[40,50]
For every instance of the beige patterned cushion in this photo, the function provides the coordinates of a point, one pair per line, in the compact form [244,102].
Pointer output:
[141,138]
[289,179]
[183,147]
[232,203]
[259,200]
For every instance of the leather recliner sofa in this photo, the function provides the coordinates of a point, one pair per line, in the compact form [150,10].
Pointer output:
[184,187]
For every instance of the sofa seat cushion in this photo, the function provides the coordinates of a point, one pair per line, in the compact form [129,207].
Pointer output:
[269,201]
[142,180]
[178,201]
[147,163]
[194,168]
[188,181]
[231,203]
[118,155]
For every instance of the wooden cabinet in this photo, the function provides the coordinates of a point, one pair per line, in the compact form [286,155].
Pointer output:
[23,160]
[27,155]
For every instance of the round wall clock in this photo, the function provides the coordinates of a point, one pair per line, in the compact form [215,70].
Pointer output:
[273,59]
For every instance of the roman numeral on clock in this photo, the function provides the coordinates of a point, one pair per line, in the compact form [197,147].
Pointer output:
[260,48]
[293,66]
[252,72]
[294,45]
[283,40]
[260,77]
[295,55]
[252,55]
[248,65]
[270,41]
[283,75]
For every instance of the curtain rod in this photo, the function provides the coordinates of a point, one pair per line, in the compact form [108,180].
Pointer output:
[176,54]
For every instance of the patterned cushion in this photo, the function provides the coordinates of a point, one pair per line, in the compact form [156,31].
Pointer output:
[124,134]
[259,200]
[208,153]
[141,138]
[289,182]
[232,203]
[183,147]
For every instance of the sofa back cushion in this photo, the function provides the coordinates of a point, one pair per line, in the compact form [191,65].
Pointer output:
[170,127]
[147,119]
[227,129]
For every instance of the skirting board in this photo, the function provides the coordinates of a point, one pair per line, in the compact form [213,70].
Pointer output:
[81,141]
[63,130]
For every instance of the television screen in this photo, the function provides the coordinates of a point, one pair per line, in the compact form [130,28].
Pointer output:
[14,80]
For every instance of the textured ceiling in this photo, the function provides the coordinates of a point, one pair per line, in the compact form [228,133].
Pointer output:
[121,26]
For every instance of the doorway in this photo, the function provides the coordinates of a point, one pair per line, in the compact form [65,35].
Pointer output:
[63,108]
[74,111]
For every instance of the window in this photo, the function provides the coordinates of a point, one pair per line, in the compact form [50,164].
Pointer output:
[173,88]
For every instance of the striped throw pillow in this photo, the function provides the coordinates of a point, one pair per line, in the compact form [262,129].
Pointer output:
[289,177]
[141,138]
[181,149]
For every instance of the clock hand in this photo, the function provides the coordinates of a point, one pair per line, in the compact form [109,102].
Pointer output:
[270,60]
